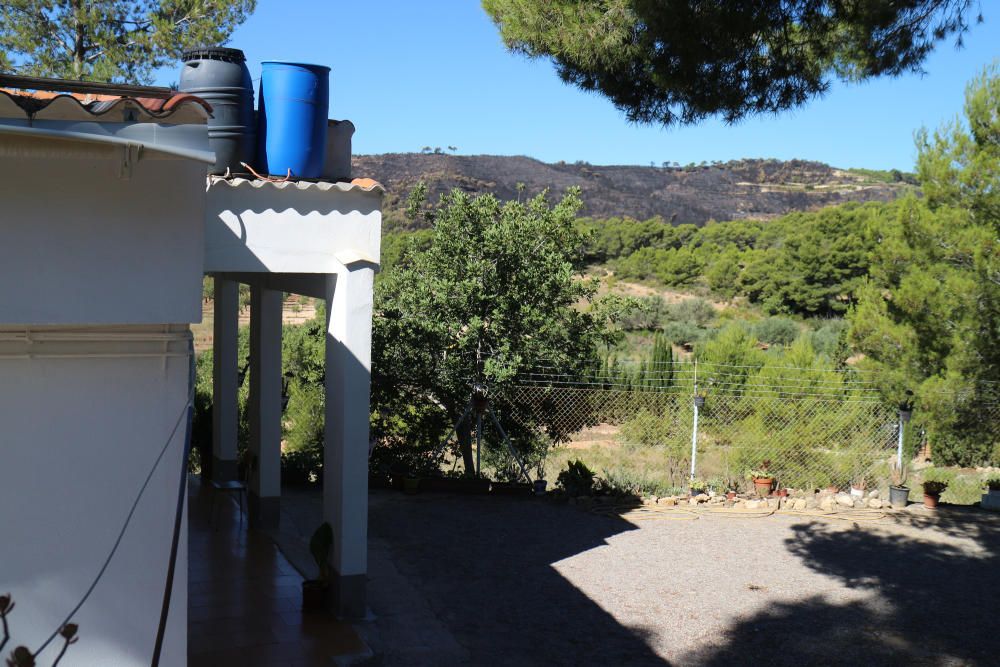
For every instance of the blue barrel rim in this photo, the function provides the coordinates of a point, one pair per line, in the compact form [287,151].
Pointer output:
[308,66]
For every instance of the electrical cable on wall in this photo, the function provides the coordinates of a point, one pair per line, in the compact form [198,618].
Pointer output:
[178,516]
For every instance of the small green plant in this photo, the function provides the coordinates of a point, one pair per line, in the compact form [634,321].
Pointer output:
[757,473]
[698,485]
[934,488]
[993,483]
[577,479]
[936,480]
[319,546]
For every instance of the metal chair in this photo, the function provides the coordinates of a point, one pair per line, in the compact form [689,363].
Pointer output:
[237,487]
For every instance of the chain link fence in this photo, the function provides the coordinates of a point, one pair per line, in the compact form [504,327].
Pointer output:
[809,430]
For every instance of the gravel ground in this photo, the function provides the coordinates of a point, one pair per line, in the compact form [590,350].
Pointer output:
[506,581]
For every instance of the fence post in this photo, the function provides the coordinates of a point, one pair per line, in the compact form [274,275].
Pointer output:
[698,401]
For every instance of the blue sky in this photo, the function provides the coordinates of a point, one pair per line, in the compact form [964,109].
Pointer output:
[413,74]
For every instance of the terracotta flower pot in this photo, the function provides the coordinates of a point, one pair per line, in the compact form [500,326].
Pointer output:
[763,485]
[730,495]
[931,500]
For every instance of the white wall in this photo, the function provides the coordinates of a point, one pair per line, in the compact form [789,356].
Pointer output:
[77,438]
[289,228]
[79,244]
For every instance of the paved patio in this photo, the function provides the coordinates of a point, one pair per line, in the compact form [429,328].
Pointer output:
[244,598]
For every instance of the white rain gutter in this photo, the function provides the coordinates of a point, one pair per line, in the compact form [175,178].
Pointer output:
[183,141]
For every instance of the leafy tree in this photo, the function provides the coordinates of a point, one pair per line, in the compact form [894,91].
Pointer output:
[724,272]
[680,61]
[496,293]
[929,318]
[110,40]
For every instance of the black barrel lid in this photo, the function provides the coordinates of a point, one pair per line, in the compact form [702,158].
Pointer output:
[214,53]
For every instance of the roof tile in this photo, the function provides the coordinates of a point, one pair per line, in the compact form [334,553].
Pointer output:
[181,108]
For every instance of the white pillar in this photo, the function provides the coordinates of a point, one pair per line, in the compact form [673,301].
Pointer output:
[225,370]
[265,407]
[345,470]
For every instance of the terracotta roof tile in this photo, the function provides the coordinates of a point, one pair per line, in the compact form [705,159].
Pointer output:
[366,183]
[58,105]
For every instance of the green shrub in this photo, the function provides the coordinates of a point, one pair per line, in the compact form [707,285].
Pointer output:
[577,479]
[776,331]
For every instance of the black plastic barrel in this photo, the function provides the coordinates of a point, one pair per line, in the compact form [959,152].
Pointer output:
[220,77]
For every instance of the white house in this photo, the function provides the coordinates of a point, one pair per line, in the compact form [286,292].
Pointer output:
[107,226]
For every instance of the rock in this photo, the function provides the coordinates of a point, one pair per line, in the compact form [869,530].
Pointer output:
[811,504]
[845,500]
[649,501]
[752,504]
[702,498]
[669,502]
[799,504]
[773,503]
[716,500]
[875,503]
[874,494]
[859,503]
[653,500]
[828,504]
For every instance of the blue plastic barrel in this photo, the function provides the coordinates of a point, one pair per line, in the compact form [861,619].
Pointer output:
[292,118]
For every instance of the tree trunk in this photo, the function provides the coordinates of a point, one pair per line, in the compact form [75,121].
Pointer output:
[464,431]
[79,46]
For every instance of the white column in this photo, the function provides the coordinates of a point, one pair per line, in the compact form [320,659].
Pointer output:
[225,369]
[265,407]
[345,470]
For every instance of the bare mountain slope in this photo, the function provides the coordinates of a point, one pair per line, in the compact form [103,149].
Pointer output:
[695,194]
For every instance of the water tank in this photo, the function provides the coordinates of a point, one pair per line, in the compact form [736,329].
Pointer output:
[292,118]
[220,76]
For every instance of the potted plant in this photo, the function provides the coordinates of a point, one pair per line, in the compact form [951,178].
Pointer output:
[858,485]
[898,491]
[576,479]
[698,486]
[993,485]
[540,483]
[762,480]
[316,592]
[935,482]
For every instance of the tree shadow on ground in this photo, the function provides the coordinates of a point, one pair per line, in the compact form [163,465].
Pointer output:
[931,588]
[486,570]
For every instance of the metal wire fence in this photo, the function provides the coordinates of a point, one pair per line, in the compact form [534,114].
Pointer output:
[810,428]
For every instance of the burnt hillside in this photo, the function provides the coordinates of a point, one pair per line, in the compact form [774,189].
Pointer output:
[695,194]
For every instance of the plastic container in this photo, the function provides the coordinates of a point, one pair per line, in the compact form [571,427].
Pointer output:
[220,77]
[292,118]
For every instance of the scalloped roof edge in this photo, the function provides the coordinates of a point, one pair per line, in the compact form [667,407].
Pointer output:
[356,185]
